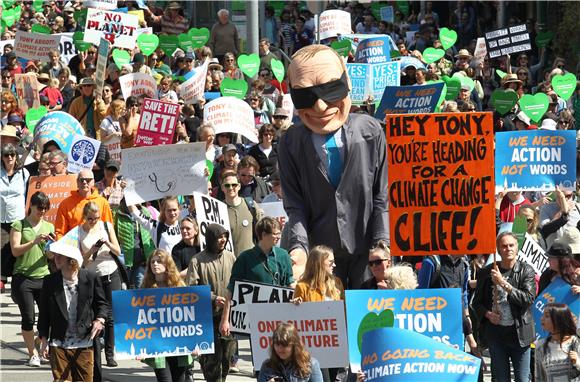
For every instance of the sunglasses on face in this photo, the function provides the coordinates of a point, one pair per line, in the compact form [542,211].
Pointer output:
[85,180]
[333,91]
[9,155]
[230,185]
[42,208]
[374,263]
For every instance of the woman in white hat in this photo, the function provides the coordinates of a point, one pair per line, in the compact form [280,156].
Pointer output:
[73,309]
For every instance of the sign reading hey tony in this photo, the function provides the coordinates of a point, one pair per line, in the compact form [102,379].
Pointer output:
[535,160]
[116,27]
[435,313]
[35,46]
[246,293]
[160,322]
[82,154]
[231,115]
[153,172]
[393,354]
[157,123]
[507,41]
[321,326]
[441,183]
[208,211]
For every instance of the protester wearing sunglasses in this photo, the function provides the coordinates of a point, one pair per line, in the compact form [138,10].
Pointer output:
[330,161]
[379,261]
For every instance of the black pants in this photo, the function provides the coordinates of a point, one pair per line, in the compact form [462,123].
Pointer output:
[351,269]
[26,292]
[215,367]
[110,283]
[8,260]
[172,371]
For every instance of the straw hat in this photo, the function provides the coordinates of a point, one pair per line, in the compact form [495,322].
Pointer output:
[570,237]
[508,78]
[9,131]
[463,53]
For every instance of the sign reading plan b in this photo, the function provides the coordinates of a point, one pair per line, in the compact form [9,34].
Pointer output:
[536,160]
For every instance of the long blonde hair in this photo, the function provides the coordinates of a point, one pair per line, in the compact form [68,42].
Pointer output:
[173,278]
[167,199]
[316,276]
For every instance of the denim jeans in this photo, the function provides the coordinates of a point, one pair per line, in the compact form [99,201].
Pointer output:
[501,353]
[136,275]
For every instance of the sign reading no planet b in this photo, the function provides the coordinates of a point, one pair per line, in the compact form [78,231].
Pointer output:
[441,183]
[507,41]
[393,354]
[409,100]
[160,322]
[535,160]
[116,27]
[435,313]
[157,123]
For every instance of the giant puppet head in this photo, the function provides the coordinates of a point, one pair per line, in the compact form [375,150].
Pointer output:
[319,88]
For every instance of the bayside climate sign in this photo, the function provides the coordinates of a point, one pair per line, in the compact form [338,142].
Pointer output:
[441,183]
[507,41]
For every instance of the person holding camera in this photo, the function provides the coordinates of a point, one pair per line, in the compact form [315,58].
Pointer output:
[289,361]
[98,244]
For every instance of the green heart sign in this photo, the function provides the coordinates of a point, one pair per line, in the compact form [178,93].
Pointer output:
[9,3]
[448,37]
[543,39]
[249,64]
[341,47]
[465,80]
[403,6]
[79,41]
[33,116]
[534,106]
[500,73]
[121,57]
[431,55]
[234,88]
[277,69]
[185,42]
[504,100]
[453,87]
[80,16]
[168,43]
[209,165]
[9,16]
[147,43]
[198,37]
[37,5]
[373,321]
[564,85]
[41,29]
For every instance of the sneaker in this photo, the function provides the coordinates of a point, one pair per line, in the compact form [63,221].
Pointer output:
[2,287]
[234,369]
[44,360]
[111,362]
[34,361]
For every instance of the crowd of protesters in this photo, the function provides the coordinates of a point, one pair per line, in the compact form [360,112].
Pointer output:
[157,244]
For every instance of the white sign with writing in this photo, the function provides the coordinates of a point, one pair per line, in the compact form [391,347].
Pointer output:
[35,46]
[231,115]
[208,211]
[137,84]
[334,22]
[116,27]
[192,89]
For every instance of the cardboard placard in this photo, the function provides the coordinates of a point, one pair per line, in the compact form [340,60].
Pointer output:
[116,27]
[192,89]
[27,91]
[334,22]
[35,46]
[137,84]
[509,40]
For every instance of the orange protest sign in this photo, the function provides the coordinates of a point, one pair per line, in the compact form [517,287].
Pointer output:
[441,183]
[57,188]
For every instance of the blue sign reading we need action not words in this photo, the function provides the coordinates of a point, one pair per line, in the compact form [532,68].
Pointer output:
[373,50]
[159,322]
[536,160]
[409,100]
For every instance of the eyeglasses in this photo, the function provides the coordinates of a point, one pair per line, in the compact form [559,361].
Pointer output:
[154,59]
[11,155]
[93,218]
[570,196]
[523,74]
[106,90]
[231,185]
[85,180]
[374,263]
[531,220]
[277,234]
[229,60]
[89,52]
[7,77]
[333,91]
[254,99]
[280,117]
[54,163]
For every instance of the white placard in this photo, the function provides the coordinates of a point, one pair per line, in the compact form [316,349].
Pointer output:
[137,84]
[208,211]
[35,46]
[275,210]
[321,326]
[192,89]
[116,27]
[101,4]
[480,49]
[82,154]
[334,22]
[66,47]
[246,293]
[533,254]
[231,115]
[288,105]
[153,172]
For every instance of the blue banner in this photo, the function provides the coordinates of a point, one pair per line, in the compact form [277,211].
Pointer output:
[535,160]
[159,322]
[373,50]
[360,78]
[387,14]
[409,100]
[559,291]
[60,127]
[355,39]
[392,354]
[433,312]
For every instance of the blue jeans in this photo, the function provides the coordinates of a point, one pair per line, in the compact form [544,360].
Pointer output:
[135,275]
[501,353]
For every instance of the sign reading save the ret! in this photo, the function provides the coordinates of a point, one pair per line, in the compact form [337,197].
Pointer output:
[507,41]
[157,123]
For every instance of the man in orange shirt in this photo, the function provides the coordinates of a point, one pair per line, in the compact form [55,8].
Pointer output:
[70,211]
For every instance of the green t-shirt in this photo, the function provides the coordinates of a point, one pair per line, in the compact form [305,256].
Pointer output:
[33,263]
[254,266]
